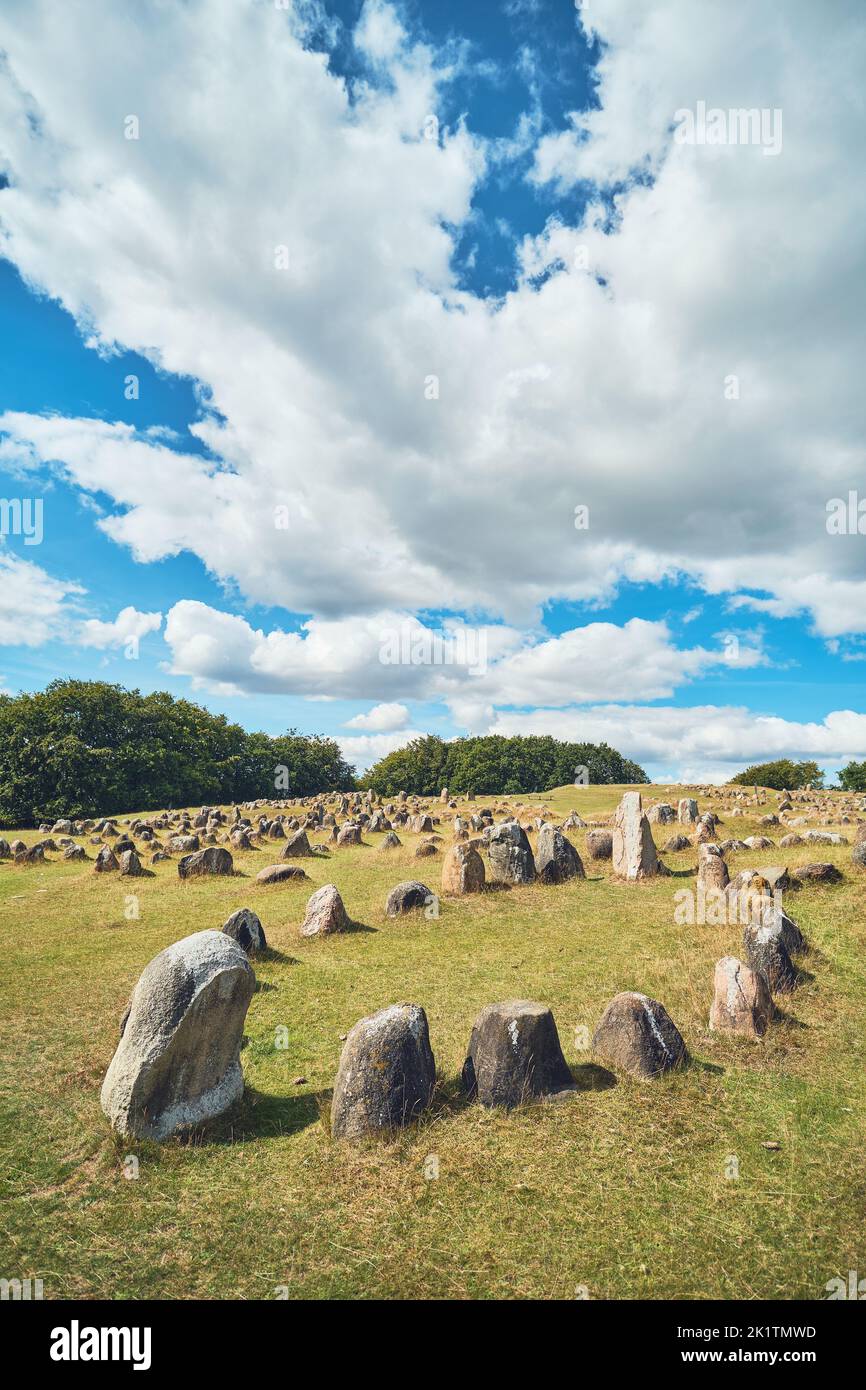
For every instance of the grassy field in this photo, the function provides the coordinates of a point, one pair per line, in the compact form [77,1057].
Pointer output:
[622,1192]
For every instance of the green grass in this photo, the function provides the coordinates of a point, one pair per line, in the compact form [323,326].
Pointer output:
[621,1190]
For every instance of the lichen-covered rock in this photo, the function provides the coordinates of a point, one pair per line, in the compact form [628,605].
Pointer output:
[510,854]
[638,1035]
[391,841]
[462,871]
[213,860]
[556,859]
[767,953]
[130,864]
[515,1055]
[712,869]
[818,873]
[246,929]
[741,999]
[386,1074]
[407,897]
[178,1060]
[325,913]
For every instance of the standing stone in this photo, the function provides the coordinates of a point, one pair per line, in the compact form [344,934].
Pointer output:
[386,1074]
[741,999]
[510,854]
[297,846]
[349,834]
[687,810]
[205,861]
[407,897]
[325,913]
[178,1060]
[106,861]
[391,841]
[246,929]
[634,852]
[515,1055]
[638,1035]
[768,954]
[130,864]
[556,859]
[462,871]
[712,869]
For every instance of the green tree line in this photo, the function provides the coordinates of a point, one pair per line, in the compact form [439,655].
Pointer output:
[494,765]
[87,748]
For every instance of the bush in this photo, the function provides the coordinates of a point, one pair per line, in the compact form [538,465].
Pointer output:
[86,748]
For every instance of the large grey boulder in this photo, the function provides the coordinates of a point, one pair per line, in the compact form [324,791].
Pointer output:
[297,846]
[817,873]
[178,1060]
[386,1074]
[741,999]
[245,927]
[556,859]
[634,851]
[205,861]
[325,913]
[515,1055]
[510,854]
[687,810]
[638,1035]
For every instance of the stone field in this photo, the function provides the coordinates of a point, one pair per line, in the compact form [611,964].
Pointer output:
[598,1042]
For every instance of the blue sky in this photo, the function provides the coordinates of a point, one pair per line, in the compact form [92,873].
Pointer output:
[582,290]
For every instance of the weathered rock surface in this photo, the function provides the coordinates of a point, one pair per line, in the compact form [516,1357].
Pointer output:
[325,912]
[462,871]
[510,854]
[599,844]
[515,1055]
[634,851]
[556,859]
[741,999]
[386,1074]
[213,860]
[246,929]
[407,897]
[280,873]
[178,1060]
[638,1035]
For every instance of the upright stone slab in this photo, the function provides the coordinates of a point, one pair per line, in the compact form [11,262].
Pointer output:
[178,1061]
[741,999]
[244,927]
[386,1075]
[634,851]
[556,859]
[768,954]
[510,854]
[712,869]
[325,913]
[462,871]
[638,1035]
[687,810]
[515,1055]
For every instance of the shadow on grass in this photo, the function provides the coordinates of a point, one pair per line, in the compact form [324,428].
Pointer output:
[270,953]
[591,1077]
[258,1116]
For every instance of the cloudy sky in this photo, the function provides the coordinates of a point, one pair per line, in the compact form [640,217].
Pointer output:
[374,368]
